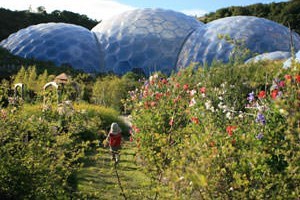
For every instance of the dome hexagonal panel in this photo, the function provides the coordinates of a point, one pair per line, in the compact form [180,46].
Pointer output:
[149,39]
[258,34]
[60,43]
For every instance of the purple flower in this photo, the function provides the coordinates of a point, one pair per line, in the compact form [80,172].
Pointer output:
[260,136]
[261,119]
[251,97]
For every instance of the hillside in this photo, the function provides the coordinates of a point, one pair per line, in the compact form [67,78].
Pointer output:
[12,21]
[286,13]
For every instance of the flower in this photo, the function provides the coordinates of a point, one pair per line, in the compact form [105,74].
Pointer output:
[261,94]
[192,102]
[153,103]
[260,136]
[281,84]
[251,97]
[297,77]
[171,122]
[230,129]
[164,81]
[288,77]
[274,93]
[193,92]
[195,120]
[203,90]
[261,119]
[185,86]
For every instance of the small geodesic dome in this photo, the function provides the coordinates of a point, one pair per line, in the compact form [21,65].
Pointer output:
[276,55]
[258,35]
[288,62]
[145,39]
[60,43]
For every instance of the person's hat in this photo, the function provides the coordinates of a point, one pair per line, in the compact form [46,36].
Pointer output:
[114,128]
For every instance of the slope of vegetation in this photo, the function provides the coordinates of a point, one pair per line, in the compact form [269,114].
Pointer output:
[12,21]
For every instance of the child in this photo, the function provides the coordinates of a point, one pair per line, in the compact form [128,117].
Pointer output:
[114,138]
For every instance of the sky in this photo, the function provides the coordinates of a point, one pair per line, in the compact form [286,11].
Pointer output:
[104,9]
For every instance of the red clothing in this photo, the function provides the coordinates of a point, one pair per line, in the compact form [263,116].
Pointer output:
[115,140]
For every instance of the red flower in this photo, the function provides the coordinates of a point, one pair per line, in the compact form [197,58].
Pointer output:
[261,94]
[131,139]
[297,77]
[212,144]
[177,85]
[230,130]
[203,90]
[288,77]
[158,96]
[185,86]
[274,93]
[195,120]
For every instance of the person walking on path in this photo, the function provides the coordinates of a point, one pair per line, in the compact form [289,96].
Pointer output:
[114,139]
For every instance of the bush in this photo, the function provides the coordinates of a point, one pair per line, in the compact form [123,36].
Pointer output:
[221,133]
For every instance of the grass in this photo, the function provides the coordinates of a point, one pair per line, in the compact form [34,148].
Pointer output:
[99,179]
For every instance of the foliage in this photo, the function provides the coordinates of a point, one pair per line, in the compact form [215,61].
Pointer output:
[12,21]
[286,13]
[229,132]
[42,152]
[110,90]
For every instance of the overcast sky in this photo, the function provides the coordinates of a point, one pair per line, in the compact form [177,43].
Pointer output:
[103,9]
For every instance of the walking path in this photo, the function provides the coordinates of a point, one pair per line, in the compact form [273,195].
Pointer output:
[99,177]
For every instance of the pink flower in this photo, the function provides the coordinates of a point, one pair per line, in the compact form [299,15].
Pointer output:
[164,81]
[185,86]
[171,122]
[203,90]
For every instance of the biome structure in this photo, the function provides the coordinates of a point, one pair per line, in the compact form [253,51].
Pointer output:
[149,40]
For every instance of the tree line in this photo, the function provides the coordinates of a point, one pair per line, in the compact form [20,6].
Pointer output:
[286,13]
[13,21]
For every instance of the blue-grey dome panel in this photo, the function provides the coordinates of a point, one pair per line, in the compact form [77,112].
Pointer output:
[276,55]
[57,42]
[150,39]
[258,34]
[288,62]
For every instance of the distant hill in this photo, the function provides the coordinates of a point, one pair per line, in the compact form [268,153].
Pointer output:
[12,21]
[286,13]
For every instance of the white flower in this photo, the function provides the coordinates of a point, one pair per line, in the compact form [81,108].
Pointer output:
[193,92]
[192,102]
[228,115]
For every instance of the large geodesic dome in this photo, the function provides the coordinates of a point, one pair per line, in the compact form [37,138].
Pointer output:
[258,35]
[60,43]
[145,39]
[276,55]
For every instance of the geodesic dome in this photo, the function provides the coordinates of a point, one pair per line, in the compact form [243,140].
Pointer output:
[60,43]
[145,39]
[276,55]
[258,34]
[288,62]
